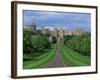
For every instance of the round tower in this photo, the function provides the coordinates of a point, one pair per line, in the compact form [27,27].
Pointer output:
[33,27]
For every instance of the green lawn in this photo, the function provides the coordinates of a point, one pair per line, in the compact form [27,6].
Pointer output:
[72,58]
[41,61]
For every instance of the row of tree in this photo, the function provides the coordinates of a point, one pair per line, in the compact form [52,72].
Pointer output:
[35,44]
[81,44]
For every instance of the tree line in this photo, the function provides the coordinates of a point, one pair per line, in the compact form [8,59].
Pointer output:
[36,44]
[81,43]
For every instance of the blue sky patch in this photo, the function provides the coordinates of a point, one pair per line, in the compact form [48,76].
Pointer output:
[68,20]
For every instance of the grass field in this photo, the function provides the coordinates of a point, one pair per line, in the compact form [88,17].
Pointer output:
[41,61]
[72,58]
[69,57]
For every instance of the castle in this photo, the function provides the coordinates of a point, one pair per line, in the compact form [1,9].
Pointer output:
[57,31]
[60,32]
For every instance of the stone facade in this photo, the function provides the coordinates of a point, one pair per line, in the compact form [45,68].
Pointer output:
[56,31]
[68,33]
[60,32]
[32,28]
[45,30]
[78,31]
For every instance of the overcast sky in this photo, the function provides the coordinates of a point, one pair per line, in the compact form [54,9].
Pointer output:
[68,20]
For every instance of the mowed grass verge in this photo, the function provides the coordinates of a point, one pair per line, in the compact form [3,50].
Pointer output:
[72,58]
[41,61]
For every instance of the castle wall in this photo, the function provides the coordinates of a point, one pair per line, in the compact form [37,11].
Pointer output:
[60,32]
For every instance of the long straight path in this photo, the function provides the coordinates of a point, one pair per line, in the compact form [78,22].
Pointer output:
[58,61]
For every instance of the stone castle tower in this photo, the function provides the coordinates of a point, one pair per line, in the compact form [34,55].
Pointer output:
[33,27]
[59,32]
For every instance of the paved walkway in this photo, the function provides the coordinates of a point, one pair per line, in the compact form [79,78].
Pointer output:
[58,61]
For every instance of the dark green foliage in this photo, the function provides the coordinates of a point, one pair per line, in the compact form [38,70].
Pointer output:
[35,45]
[54,40]
[33,33]
[66,38]
[27,46]
[81,44]
[47,34]
[40,42]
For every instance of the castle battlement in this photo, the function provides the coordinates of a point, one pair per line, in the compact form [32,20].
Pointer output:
[57,31]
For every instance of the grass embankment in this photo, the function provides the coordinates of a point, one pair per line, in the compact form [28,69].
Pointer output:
[41,61]
[72,58]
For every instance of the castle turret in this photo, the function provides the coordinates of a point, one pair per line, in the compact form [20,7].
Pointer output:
[33,27]
[61,32]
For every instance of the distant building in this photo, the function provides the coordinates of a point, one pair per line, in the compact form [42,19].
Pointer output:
[55,31]
[78,31]
[34,27]
[68,33]
[45,30]
[39,31]
[60,32]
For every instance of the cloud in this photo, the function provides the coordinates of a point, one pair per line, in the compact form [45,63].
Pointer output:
[46,15]
[50,18]
[42,15]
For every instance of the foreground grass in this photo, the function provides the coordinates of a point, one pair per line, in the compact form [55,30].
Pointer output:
[41,61]
[72,58]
